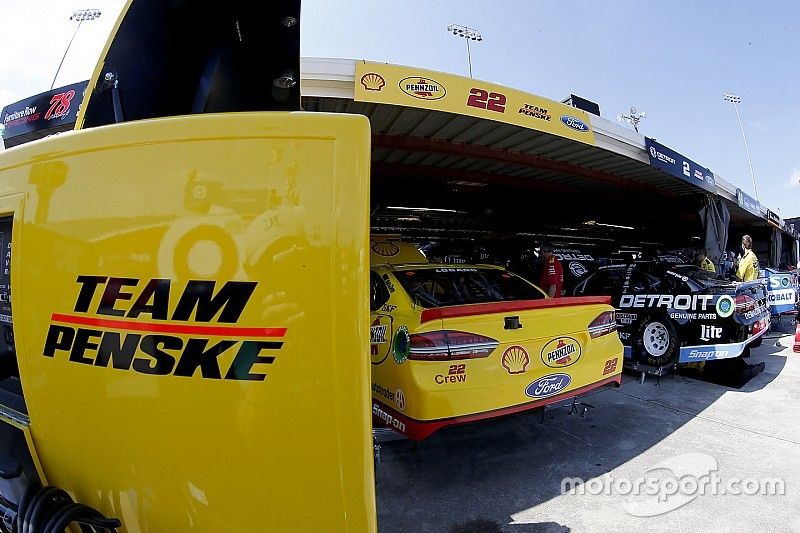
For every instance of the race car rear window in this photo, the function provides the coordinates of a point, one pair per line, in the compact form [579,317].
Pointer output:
[698,275]
[436,287]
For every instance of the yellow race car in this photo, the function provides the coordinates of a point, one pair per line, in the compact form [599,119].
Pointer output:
[451,344]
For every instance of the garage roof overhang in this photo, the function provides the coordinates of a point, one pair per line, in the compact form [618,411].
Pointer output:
[476,166]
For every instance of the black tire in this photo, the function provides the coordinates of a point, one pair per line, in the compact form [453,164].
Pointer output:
[657,341]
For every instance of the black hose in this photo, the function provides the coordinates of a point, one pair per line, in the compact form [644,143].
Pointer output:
[69,513]
[44,503]
[51,510]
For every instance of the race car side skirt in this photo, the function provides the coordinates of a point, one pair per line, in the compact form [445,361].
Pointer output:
[421,429]
[709,352]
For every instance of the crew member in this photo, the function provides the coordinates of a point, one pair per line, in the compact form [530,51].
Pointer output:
[705,263]
[552,280]
[748,265]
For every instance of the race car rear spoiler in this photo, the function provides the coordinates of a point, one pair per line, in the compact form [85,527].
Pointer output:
[507,307]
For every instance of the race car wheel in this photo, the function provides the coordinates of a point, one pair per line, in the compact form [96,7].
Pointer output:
[658,342]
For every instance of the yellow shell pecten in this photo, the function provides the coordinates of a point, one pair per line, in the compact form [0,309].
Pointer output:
[384,248]
[372,81]
[515,360]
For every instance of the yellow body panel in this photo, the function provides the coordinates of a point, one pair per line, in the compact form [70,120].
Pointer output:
[429,391]
[190,427]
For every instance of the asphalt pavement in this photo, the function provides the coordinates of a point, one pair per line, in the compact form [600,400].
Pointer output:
[683,455]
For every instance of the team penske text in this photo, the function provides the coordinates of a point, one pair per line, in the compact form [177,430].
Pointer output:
[164,345]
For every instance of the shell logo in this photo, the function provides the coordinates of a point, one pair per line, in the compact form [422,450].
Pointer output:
[384,248]
[561,352]
[422,88]
[515,360]
[372,81]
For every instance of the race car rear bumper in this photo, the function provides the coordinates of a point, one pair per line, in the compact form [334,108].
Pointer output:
[710,352]
[421,429]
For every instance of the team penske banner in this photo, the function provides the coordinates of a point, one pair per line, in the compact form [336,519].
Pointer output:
[408,86]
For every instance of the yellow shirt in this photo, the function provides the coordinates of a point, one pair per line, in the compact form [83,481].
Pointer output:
[706,264]
[748,267]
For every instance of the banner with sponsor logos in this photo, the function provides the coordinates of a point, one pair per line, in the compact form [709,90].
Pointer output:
[774,219]
[413,87]
[747,202]
[782,292]
[678,165]
[44,113]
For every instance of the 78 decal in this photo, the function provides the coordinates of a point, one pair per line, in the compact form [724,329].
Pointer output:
[59,105]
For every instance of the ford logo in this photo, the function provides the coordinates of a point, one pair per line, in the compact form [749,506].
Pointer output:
[574,123]
[548,385]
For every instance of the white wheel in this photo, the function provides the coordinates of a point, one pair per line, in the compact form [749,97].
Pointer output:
[656,339]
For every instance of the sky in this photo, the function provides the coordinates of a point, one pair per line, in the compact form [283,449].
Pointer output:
[672,59]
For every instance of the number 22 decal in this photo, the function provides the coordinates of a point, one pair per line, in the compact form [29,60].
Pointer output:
[485,100]
[456,369]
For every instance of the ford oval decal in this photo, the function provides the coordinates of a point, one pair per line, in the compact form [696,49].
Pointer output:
[574,123]
[548,385]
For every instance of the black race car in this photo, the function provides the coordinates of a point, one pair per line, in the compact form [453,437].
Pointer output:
[670,313]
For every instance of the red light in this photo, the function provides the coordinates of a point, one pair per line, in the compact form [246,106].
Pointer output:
[450,345]
[604,324]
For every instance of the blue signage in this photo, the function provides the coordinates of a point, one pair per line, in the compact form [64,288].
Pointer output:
[681,167]
[774,219]
[748,203]
[782,293]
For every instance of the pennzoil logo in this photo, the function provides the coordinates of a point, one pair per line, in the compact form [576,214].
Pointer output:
[561,352]
[143,326]
[372,81]
[422,88]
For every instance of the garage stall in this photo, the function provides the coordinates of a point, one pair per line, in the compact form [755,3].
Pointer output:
[492,170]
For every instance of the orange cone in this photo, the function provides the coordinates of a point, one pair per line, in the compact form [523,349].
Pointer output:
[797,339]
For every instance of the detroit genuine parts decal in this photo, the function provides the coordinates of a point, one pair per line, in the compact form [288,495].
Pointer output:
[724,305]
[143,337]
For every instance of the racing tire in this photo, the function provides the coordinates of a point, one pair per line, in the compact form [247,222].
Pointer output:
[658,342]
